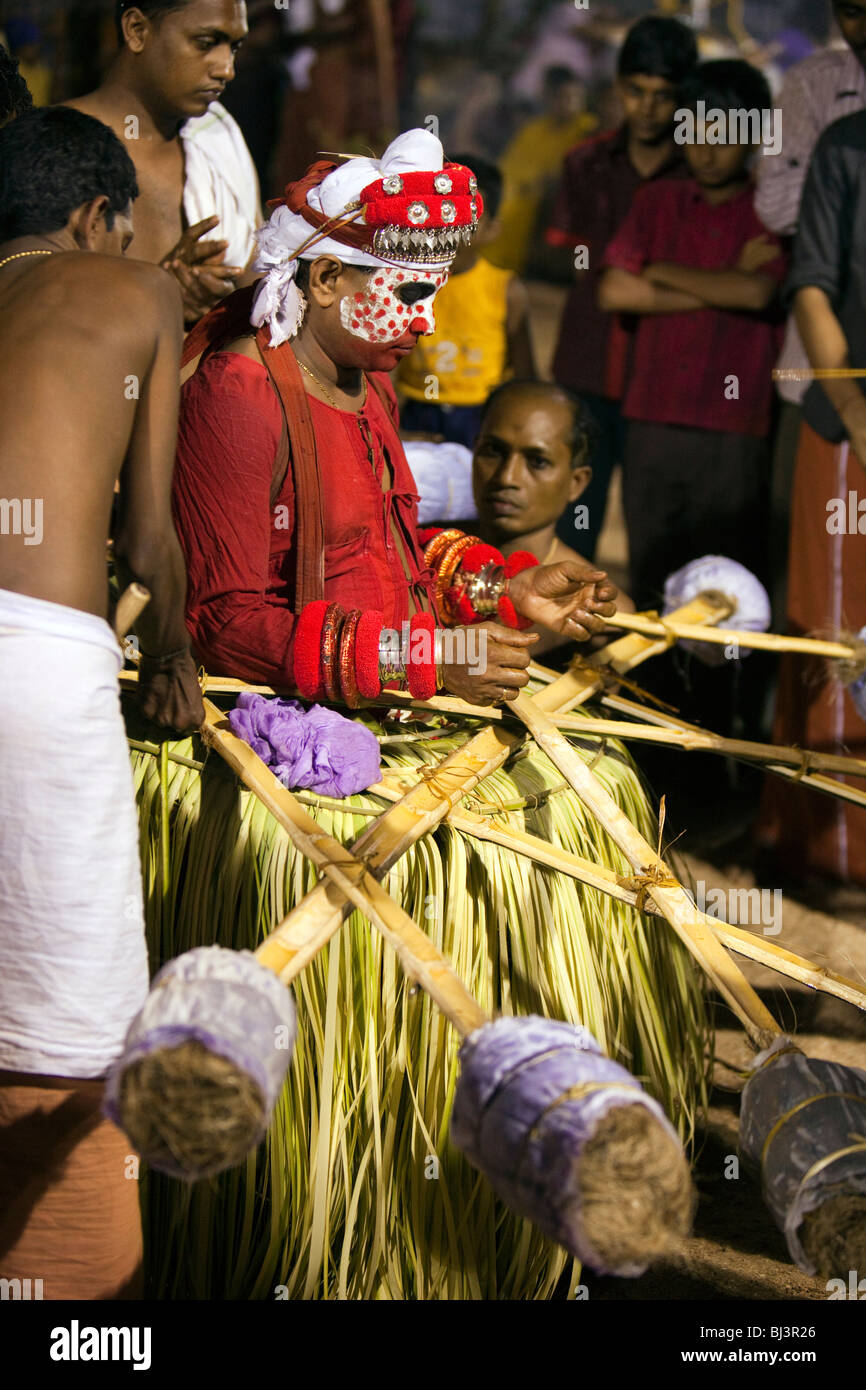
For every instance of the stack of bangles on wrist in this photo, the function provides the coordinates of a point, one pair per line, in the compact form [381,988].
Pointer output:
[471,578]
[347,658]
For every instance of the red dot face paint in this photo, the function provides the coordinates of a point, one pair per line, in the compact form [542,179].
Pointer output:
[361,314]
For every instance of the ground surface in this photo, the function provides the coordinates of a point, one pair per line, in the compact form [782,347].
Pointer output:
[736,1251]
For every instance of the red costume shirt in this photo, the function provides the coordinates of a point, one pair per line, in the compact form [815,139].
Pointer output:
[238,540]
[682,362]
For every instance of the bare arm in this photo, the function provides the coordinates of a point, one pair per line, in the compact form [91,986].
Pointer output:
[145,542]
[621,292]
[521,357]
[827,346]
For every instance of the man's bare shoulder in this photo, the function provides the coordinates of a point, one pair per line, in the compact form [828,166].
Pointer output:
[90,283]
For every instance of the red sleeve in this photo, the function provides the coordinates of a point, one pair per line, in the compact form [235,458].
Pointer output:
[229,435]
[630,247]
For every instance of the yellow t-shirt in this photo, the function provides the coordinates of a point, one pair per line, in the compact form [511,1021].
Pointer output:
[464,359]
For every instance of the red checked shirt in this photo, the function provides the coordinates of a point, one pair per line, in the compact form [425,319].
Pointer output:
[239,541]
[683,364]
[596,190]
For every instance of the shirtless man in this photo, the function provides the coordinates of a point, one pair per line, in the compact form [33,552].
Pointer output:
[90,394]
[530,463]
[175,60]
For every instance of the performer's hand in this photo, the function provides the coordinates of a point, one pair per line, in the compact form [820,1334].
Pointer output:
[568,596]
[171,696]
[498,669]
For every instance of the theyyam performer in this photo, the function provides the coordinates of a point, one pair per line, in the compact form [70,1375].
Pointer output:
[293,500]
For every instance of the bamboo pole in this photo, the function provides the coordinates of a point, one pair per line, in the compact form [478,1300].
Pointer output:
[315,919]
[130,606]
[693,740]
[668,894]
[351,876]
[828,786]
[672,627]
[625,890]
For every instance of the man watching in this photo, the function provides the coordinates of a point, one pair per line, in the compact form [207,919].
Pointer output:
[161,97]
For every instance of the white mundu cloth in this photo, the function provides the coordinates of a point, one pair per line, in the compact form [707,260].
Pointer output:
[220,180]
[73,959]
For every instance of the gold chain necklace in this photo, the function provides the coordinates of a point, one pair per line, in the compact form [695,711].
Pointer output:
[322,385]
[19,256]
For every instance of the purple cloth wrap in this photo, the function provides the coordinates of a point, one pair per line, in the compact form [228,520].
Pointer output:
[796,1178]
[225,1000]
[316,748]
[513,1119]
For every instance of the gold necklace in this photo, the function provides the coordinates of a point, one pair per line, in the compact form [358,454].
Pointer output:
[321,384]
[19,256]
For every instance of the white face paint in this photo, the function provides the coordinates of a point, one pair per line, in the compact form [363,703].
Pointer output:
[378,314]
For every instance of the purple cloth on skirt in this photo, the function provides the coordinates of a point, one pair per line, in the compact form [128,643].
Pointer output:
[315,748]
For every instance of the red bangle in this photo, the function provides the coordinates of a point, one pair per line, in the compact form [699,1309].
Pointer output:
[421,658]
[367,637]
[517,562]
[307,651]
[348,682]
[331,628]
[510,616]
[520,560]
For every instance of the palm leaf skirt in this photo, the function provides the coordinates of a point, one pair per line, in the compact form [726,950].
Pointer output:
[357,1192]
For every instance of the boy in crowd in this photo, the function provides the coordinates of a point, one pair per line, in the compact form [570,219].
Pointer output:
[481,333]
[599,181]
[693,262]
[530,464]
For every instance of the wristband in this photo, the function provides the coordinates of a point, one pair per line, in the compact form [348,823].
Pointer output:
[348,680]
[166,658]
[331,628]
[515,564]
[367,636]
[307,650]
[421,662]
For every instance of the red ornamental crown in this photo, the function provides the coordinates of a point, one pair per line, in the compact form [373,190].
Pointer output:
[421,217]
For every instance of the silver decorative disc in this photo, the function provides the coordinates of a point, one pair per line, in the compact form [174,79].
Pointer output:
[442,183]
[448,211]
[393,184]
[418,213]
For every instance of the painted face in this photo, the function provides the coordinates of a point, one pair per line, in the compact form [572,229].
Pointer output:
[394,309]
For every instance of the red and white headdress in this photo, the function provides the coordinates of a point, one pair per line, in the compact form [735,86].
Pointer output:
[409,209]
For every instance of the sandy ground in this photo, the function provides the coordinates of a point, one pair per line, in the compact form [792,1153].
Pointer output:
[736,1252]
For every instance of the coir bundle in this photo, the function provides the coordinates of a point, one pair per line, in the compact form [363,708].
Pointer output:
[357,1191]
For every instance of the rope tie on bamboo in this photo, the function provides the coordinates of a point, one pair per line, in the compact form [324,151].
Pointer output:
[657,876]
[578,1092]
[365,861]
[822,1163]
[807,765]
[609,679]
[810,1100]
[432,775]
[670,638]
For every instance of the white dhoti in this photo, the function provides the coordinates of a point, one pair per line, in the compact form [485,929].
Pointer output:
[73,959]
